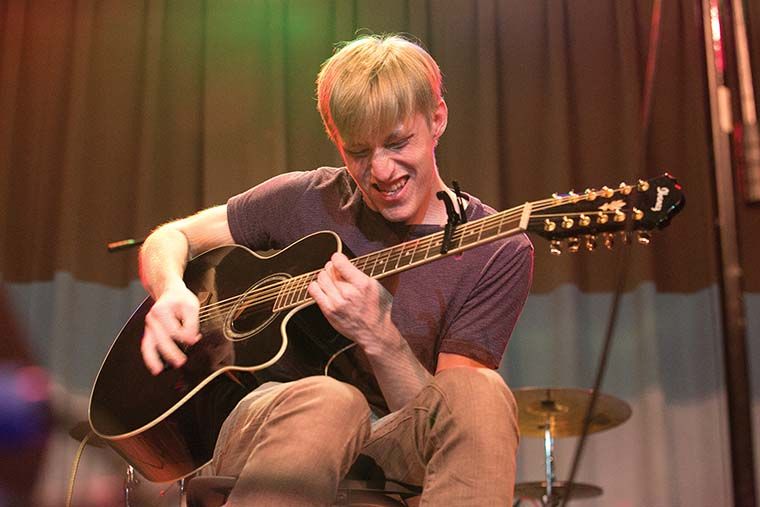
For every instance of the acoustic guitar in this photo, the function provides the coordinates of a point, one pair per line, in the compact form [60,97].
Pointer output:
[259,323]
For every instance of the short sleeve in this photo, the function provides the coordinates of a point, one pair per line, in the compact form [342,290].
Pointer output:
[483,325]
[260,215]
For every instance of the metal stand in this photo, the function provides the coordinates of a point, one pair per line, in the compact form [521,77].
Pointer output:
[548,500]
[130,481]
[181,489]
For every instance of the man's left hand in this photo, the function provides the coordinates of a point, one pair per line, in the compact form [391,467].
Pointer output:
[356,305]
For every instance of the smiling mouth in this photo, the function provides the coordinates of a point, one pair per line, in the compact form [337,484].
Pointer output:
[390,191]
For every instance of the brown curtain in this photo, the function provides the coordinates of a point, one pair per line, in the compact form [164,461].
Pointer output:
[118,116]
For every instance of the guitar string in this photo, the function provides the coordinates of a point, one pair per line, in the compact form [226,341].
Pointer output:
[369,259]
[392,255]
[300,283]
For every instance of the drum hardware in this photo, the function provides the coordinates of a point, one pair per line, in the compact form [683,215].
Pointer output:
[551,412]
[83,430]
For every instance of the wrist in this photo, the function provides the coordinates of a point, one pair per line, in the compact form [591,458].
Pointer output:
[388,343]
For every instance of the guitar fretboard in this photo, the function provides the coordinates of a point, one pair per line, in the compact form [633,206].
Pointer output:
[407,255]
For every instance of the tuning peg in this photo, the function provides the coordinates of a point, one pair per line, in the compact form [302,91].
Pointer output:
[573,196]
[609,240]
[555,247]
[557,198]
[590,194]
[573,244]
[549,226]
[602,218]
[567,222]
[590,242]
[607,192]
[643,237]
[625,237]
[637,214]
[584,220]
[642,186]
[619,216]
[625,188]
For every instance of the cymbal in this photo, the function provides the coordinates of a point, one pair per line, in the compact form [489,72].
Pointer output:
[81,429]
[537,490]
[563,410]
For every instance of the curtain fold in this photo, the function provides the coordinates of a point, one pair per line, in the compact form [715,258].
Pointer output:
[118,116]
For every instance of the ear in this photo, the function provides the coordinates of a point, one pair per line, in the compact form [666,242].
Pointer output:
[440,119]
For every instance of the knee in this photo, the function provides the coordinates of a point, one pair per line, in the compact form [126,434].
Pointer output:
[478,397]
[333,399]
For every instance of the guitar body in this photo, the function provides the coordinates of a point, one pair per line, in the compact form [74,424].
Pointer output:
[166,426]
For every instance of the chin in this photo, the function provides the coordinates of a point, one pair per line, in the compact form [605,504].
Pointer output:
[396,215]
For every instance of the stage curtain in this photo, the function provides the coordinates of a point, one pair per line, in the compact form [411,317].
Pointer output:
[117,116]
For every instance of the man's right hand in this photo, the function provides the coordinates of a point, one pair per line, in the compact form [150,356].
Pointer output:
[171,323]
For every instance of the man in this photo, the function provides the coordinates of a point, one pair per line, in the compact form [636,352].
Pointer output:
[433,335]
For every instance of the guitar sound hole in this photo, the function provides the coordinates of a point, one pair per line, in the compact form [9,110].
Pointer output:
[254,310]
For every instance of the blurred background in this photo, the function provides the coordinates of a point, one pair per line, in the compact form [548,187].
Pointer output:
[117,116]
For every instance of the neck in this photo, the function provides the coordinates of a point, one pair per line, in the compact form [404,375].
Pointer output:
[436,210]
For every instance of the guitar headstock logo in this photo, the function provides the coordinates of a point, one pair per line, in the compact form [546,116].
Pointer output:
[615,205]
[661,193]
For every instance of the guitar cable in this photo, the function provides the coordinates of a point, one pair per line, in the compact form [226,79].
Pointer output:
[75,467]
[622,267]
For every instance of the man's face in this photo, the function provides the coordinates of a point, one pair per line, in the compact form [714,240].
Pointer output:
[396,172]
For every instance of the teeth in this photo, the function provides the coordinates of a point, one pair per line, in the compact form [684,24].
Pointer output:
[398,186]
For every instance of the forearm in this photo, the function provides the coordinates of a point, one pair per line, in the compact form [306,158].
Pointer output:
[400,375]
[162,259]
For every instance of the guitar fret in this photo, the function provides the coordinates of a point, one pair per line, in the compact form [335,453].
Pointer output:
[404,253]
[469,236]
[462,236]
[291,284]
[480,231]
[361,264]
[421,250]
[493,229]
[375,260]
[384,261]
[301,293]
[281,295]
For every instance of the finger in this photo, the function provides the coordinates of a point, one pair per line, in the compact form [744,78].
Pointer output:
[319,296]
[170,352]
[328,284]
[180,323]
[346,270]
[150,354]
[187,331]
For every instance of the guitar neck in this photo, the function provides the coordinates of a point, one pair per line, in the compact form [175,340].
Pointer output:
[417,252]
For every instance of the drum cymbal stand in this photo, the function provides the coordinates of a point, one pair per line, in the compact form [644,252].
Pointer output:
[549,500]
[130,481]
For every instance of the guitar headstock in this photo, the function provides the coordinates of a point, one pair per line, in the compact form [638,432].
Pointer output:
[584,219]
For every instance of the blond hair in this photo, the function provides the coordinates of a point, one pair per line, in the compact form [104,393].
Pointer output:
[374,82]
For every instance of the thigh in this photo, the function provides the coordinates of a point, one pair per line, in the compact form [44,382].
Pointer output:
[241,426]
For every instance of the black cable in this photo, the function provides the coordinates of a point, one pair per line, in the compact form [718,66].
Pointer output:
[622,267]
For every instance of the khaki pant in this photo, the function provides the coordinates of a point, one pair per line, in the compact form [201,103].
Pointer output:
[291,444]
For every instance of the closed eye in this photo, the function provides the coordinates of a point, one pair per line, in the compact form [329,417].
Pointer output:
[397,145]
[356,153]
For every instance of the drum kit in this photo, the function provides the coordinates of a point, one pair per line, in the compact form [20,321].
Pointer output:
[544,412]
[556,412]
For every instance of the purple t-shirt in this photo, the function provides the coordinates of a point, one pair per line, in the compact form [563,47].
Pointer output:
[463,304]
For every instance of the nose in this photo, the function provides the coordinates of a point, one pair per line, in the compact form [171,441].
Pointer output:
[381,165]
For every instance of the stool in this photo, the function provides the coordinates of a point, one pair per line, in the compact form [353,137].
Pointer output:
[364,486]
